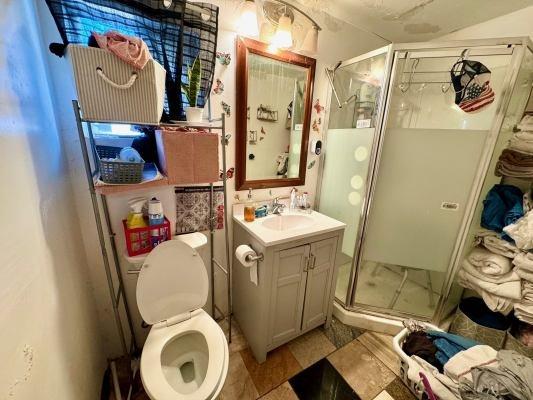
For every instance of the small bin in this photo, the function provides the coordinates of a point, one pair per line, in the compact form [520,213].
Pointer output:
[117,172]
[110,90]
[143,240]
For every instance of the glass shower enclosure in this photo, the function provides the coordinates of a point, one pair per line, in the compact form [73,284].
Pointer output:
[404,166]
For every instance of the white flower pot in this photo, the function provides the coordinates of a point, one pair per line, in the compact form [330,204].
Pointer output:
[194,114]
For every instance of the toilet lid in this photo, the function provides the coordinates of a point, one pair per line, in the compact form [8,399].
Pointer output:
[173,280]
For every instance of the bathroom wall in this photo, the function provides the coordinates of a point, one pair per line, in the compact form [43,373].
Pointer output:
[51,345]
[337,41]
[517,23]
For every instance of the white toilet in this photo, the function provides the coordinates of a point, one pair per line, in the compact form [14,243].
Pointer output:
[186,354]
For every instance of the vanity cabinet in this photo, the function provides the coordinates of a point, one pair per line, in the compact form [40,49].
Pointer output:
[295,289]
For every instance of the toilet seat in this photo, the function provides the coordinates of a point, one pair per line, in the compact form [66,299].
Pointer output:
[161,336]
[171,289]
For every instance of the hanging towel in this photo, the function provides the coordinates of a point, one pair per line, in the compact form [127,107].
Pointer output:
[488,262]
[130,49]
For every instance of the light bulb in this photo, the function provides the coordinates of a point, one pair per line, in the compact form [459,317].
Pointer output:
[247,23]
[283,37]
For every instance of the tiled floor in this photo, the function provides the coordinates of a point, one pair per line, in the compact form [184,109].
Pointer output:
[340,362]
[338,356]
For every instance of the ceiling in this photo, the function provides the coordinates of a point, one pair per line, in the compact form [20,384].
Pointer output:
[413,20]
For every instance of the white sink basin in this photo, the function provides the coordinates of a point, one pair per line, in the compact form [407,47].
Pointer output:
[287,222]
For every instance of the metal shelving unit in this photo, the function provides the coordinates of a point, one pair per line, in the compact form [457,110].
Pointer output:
[105,230]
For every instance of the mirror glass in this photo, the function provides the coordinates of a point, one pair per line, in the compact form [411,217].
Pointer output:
[275,118]
[273,114]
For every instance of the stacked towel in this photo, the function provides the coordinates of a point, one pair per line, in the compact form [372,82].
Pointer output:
[492,241]
[522,231]
[515,164]
[524,268]
[491,276]
[489,263]
[522,142]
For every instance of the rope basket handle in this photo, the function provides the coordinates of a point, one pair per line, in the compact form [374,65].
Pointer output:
[123,86]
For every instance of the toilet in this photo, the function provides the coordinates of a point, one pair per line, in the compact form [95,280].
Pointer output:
[186,354]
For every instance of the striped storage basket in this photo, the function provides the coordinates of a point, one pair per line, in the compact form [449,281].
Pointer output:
[111,90]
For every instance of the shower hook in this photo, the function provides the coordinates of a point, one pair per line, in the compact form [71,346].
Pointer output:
[404,87]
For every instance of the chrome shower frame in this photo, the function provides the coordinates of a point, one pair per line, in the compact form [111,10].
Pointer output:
[517,46]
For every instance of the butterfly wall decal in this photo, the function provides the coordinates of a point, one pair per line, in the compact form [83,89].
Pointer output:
[226,107]
[229,173]
[263,131]
[223,58]
[315,126]
[311,164]
[219,87]
[318,108]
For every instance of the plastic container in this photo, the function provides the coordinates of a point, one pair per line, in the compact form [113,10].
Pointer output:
[143,240]
[417,388]
[116,171]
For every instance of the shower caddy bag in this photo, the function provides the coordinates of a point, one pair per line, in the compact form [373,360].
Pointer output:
[110,90]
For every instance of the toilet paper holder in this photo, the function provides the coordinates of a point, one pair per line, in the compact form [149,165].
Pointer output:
[259,257]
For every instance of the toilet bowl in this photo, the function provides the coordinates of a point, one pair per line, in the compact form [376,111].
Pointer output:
[186,354]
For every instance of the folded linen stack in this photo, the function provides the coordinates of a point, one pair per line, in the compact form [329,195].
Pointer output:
[521,231]
[492,241]
[524,268]
[491,276]
[515,164]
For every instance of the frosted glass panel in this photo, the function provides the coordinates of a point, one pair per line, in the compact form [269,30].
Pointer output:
[425,179]
[344,179]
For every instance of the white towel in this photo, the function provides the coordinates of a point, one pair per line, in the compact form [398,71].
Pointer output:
[524,261]
[510,276]
[524,312]
[495,303]
[522,231]
[524,274]
[522,142]
[460,365]
[492,241]
[526,123]
[509,290]
[488,262]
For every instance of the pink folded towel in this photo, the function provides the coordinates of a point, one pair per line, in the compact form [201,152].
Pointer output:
[130,49]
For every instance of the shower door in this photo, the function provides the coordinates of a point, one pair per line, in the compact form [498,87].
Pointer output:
[430,162]
[355,114]
[406,179]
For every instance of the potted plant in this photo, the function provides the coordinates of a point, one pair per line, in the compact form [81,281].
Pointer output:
[192,89]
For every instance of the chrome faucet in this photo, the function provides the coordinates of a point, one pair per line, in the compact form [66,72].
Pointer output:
[277,207]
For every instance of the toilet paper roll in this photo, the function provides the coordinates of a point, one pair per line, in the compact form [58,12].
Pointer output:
[241,252]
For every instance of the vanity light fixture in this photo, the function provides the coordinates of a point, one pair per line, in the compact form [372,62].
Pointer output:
[247,23]
[310,44]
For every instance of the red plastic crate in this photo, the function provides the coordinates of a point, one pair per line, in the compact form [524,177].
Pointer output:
[139,240]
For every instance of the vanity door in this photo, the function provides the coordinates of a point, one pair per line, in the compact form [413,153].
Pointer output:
[319,277]
[288,293]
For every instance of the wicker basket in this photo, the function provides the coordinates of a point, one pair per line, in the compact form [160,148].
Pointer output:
[512,343]
[462,325]
[118,172]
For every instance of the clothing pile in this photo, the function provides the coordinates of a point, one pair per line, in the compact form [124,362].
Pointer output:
[453,367]
[517,160]
[492,276]
[524,268]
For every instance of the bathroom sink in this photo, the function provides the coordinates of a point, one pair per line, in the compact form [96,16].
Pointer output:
[288,222]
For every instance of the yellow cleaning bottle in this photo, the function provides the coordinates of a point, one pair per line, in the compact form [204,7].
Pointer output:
[135,217]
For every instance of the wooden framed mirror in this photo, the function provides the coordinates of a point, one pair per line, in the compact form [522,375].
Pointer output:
[273,111]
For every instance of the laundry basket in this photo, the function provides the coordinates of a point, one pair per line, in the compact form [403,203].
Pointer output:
[417,388]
